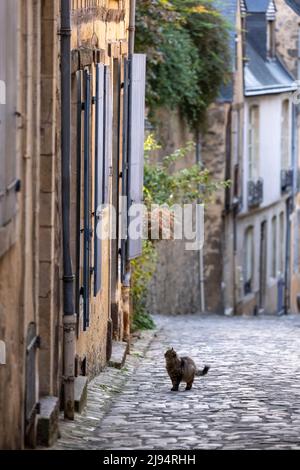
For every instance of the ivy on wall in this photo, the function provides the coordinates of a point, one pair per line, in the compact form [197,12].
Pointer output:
[188,57]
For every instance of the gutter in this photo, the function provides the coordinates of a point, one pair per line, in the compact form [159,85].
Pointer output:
[69,317]
[270,90]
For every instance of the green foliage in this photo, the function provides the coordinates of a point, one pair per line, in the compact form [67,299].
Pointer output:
[164,186]
[142,271]
[188,58]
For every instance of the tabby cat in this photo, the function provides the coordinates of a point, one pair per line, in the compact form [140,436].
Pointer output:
[182,369]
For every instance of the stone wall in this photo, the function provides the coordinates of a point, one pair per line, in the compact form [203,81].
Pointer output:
[19,266]
[287,34]
[175,287]
[287,43]
[98,26]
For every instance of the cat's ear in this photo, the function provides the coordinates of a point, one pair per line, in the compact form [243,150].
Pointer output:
[172,349]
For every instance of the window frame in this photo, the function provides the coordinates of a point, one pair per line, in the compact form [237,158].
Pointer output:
[253,142]
[248,259]
[285,127]
[274,244]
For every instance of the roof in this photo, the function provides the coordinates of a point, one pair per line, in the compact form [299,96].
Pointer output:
[257,6]
[294,4]
[264,77]
[228,9]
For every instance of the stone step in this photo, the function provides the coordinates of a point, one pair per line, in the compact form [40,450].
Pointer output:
[80,393]
[47,428]
[118,356]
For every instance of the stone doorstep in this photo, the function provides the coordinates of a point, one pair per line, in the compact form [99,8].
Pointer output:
[80,393]
[118,356]
[47,427]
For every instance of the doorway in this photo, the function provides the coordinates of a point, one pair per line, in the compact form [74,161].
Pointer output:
[262,265]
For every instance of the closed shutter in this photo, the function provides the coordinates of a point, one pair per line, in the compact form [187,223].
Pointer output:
[99,167]
[108,113]
[2,108]
[8,99]
[86,191]
[136,148]
[78,187]
[124,210]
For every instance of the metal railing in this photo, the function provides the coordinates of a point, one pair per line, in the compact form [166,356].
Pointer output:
[286,180]
[255,192]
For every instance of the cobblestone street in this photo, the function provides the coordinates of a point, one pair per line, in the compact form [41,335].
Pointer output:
[250,398]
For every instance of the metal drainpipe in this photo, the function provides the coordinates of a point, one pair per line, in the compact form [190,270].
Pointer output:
[69,317]
[131,27]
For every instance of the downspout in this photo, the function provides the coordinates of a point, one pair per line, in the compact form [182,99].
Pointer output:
[131,27]
[69,317]
[287,276]
[200,252]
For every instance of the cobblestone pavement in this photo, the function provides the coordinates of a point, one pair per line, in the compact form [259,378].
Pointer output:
[250,398]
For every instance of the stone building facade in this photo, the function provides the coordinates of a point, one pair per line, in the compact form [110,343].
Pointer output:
[287,43]
[225,151]
[176,285]
[36,365]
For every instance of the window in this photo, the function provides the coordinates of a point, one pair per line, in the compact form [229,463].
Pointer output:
[253,142]
[271,39]
[281,243]
[273,246]
[285,135]
[248,260]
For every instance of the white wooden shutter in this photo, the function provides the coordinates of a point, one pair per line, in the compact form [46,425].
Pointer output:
[8,100]
[136,146]
[2,108]
[108,115]
[99,159]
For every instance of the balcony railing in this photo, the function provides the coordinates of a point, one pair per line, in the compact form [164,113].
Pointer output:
[255,192]
[286,180]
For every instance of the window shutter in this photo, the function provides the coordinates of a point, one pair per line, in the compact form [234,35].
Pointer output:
[78,188]
[2,108]
[99,167]
[87,230]
[108,113]
[8,98]
[124,210]
[136,147]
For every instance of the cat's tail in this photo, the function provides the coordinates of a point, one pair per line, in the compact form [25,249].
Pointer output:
[202,372]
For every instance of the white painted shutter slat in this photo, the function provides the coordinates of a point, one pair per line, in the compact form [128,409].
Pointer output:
[136,146]
[108,133]
[2,108]
[8,100]
[99,160]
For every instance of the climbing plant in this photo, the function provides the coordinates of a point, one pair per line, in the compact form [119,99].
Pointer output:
[164,186]
[188,57]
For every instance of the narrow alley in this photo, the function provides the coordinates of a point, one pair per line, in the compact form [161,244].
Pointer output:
[250,398]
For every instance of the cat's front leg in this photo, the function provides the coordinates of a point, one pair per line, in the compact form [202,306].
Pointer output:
[175,384]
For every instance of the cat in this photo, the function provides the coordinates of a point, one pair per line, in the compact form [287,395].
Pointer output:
[182,369]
